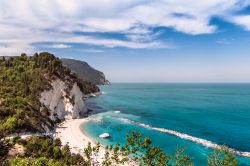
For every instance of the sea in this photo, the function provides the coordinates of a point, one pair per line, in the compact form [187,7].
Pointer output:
[191,116]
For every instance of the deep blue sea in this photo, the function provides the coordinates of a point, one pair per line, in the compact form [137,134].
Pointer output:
[215,112]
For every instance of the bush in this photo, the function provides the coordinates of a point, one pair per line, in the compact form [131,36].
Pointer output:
[222,157]
[22,79]
[46,151]
[50,148]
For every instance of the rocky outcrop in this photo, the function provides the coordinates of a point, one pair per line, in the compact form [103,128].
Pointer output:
[63,101]
[85,71]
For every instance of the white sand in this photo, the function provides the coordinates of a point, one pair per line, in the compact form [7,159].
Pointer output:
[70,133]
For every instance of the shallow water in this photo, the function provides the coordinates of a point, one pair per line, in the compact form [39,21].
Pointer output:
[219,113]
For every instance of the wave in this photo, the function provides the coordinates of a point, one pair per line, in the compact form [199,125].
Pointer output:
[200,141]
[95,119]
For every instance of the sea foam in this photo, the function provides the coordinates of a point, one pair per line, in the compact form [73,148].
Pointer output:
[200,141]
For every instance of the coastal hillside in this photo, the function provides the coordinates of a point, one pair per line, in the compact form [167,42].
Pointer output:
[38,91]
[85,71]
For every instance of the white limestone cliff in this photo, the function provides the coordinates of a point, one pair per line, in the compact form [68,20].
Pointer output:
[62,101]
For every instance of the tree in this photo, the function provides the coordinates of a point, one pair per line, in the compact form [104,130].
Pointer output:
[107,161]
[138,150]
[88,154]
[96,151]
[22,80]
[222,157]
[25,81]
[23,55]
[3,148]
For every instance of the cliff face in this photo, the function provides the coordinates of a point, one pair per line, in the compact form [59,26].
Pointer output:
[62,101]
[38,90]
[85,71]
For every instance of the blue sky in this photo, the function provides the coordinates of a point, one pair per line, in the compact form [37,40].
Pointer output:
[136,41]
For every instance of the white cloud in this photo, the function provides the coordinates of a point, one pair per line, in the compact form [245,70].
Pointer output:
[224,41]
[112,42]
[91,50]
[16,48]
[23,22]
[59,46]
[243,21]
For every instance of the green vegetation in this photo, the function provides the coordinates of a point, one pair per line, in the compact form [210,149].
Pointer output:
[44,151]
[222,157]
[22,79]
[85,71]
[139,150]
[4,148]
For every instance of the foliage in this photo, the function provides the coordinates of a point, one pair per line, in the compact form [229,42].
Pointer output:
[144,153]
[45,151]
[4,148]
[222,157]
[22,79]
[41,161]
[138,150]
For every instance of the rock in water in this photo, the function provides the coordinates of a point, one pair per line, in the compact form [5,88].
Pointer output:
[104,135]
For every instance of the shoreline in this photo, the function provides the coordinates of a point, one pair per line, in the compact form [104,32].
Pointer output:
[70,133]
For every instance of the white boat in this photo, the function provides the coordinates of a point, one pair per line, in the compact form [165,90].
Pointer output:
[104,135]
[92,95]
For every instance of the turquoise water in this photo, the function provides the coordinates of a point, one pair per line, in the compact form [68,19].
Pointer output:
[215,112]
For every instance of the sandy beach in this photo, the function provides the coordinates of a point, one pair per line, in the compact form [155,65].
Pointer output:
[70,133]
